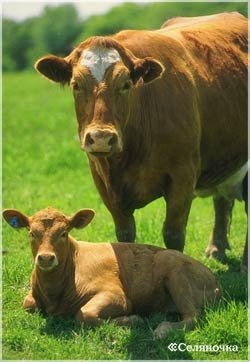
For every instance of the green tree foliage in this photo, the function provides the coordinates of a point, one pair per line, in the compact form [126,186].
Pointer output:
[58,29]
[55,31]
[52,32]
[151,16]
[16,43]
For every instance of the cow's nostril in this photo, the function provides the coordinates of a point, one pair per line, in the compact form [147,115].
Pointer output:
[112,140]
[100,140]
[89,140]
[46,257]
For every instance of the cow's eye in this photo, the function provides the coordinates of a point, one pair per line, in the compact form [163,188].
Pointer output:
[64,234]
[33,236]
[126,85]
[75,86]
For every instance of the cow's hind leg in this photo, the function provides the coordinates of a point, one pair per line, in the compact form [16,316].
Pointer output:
[179,196]
[129,321]
[165,327]
[183,297]
[219,238]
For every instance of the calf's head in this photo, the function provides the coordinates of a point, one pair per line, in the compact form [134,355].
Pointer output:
[48,230]
[104,76]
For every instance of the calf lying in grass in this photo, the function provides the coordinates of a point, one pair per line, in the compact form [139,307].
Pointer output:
[97,281]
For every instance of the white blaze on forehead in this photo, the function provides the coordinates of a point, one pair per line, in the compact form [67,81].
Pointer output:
[98,60]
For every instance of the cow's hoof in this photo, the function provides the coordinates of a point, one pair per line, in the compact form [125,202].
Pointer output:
[162,330]
[29,304]
[212,252]
[129,321]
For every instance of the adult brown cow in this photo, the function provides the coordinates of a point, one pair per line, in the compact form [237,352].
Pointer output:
[161,113]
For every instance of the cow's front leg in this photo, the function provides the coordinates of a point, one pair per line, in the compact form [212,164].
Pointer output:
[219,239]
[30,304]
[124,227]
[124,222]
[179,199]
[102,306]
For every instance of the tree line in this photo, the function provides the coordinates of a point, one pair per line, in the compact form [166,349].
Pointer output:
[58,29]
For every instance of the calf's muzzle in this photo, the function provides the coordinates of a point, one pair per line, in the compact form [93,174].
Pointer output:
[46,261]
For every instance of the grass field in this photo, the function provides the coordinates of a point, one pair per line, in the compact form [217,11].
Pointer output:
[43,165]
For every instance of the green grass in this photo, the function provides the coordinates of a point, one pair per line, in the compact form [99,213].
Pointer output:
[43,165]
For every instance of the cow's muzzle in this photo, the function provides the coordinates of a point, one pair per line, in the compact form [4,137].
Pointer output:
[101,142]
[46,261]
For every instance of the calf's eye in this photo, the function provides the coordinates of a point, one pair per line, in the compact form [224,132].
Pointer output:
[33,237]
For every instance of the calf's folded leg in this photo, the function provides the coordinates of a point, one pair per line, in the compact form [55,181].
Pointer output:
[185,300]
[102,306]
[165,327]
[129,321]
[30,304]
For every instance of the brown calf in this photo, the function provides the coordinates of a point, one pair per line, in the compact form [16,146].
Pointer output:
[162,113]
[123,281]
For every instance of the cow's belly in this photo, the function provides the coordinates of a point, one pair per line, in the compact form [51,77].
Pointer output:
[230,189]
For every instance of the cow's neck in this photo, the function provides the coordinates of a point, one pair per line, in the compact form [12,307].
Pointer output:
[137,131]
[103,168]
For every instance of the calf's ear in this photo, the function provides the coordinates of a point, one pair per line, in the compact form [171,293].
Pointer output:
[147,70]
[54,68]
[81,219]
[15,218]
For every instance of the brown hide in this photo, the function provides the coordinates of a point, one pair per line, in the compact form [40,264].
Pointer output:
[166,119]
[97,281]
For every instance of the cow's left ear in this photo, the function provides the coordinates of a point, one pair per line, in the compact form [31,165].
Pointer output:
[15,218]
[147,69]
[54,68]
[81,219]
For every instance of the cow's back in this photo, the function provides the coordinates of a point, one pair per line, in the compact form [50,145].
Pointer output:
[181,21]
[203,91]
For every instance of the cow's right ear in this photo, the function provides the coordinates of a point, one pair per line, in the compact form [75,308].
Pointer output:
[15,218]
[54,68]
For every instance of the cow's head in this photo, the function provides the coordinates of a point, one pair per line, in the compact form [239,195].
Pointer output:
[104,77]
[48,230]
